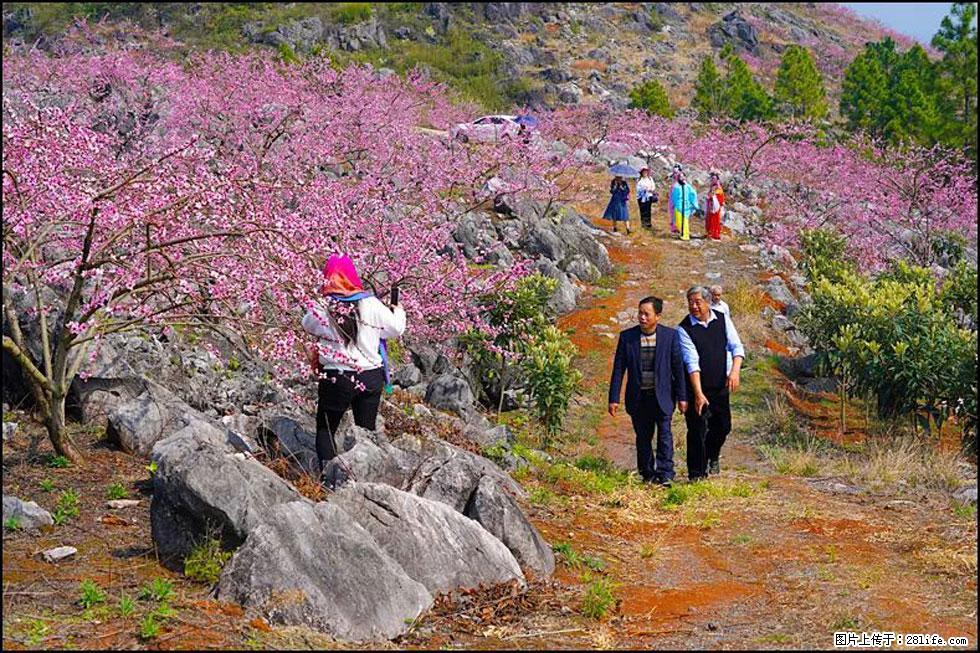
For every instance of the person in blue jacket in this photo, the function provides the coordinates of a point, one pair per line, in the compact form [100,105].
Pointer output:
[650,356]
[617,210]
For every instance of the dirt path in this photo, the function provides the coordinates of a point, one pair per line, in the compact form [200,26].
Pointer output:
[754,560]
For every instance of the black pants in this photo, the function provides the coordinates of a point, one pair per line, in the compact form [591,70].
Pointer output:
[705,437]
[335,395]
[645,213]
[647,419]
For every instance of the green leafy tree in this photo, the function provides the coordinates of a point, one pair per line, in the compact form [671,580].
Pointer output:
[744,98]
[912,108]
[957,40]
[651,97]
[799,87]
[708,91]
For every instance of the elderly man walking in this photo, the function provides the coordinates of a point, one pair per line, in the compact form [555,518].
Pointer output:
[713,355]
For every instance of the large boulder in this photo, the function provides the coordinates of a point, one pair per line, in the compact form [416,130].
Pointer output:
[541,238]
[315,566]
[451,393]
[734,29]
[476,234]
[498,512]
[566,293]
[27,514]
[203,487]
[143,412]
[435,545]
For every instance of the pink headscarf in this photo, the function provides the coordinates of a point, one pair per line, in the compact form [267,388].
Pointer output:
[340,277]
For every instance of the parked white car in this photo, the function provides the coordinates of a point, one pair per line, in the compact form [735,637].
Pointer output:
[488,129]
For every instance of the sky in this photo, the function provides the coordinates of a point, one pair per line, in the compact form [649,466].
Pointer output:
[919,20]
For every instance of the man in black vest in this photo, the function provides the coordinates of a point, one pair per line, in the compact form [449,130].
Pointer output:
[650,356]
[713,355]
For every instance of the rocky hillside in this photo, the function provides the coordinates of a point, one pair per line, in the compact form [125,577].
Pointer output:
[539,54]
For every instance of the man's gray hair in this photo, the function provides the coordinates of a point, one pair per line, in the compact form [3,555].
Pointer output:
[699,290]
[716,289]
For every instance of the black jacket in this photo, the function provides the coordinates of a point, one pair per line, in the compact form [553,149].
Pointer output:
[668,366]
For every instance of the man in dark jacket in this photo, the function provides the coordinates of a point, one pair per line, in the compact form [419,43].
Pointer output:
[650,356]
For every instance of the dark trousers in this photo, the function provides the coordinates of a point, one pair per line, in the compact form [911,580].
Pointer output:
[647,418]
[645,213]
[705,437]
[337,393]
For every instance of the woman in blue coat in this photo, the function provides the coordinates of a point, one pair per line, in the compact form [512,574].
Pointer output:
[617,210]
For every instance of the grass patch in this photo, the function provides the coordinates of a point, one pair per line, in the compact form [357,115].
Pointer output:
[91,594]
[158,589]
[11,524]
[47,485]
[598,598]
[57,462]
[678,495]
[205,561]
[846,623]
[149,627]
[67,507]
[741,539]
[127,606]
[117,491]
[965,511]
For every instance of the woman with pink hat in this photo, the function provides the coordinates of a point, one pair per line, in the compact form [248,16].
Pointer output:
[351,325]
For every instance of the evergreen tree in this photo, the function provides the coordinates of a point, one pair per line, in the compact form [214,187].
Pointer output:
[911,110]
[651,96]
[799,86]
[957,40]
[864,94]
[744,99]
[708,93]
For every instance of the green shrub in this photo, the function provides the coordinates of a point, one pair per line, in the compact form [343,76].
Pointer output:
[598,598]
[824,254]
[66,508]
[897,338]
[551,377]
[11,524]
[651,96]
[91,594]
[206,561]
[47,485]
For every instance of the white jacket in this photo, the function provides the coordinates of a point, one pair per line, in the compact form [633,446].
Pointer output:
[375,321]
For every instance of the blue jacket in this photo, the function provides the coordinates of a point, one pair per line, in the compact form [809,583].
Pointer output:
[669,367]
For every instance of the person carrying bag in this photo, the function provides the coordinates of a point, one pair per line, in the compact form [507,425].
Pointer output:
[351,326]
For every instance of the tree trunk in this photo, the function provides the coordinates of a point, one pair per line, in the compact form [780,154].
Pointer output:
[55,423]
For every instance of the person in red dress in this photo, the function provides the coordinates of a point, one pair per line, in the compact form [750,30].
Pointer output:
[714,205]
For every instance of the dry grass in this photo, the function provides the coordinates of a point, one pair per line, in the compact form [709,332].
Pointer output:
[583,65]
[909,461]
[747,302]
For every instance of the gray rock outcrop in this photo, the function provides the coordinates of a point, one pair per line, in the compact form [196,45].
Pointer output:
[27,514]
[335,578]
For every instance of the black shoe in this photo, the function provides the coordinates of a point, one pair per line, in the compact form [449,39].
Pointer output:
[697,479]
[714,468]
[664,482]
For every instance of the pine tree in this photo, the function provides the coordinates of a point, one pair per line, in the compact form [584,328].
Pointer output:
[864,94]
[957,40]
[651,96]
[708,91]
[912,109]
[799,86]
[744,99]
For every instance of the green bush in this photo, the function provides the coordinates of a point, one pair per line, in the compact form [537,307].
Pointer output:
[651,96]
[896,337]
[117,491]
[206,561]
[551,376]
[824,254]
[158,589]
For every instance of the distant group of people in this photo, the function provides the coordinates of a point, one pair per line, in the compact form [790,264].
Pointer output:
[693,368]
[683,203]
